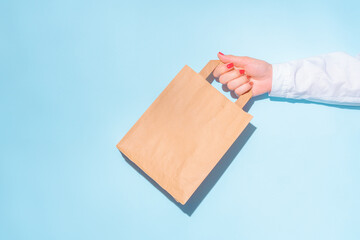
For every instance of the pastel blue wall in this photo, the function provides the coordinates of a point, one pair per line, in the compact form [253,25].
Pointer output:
[76,75]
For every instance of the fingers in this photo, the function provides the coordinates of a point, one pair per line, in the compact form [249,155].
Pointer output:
[243,88]
[222,68]
[229,62]
[236,60]
[237,82]
[230,75]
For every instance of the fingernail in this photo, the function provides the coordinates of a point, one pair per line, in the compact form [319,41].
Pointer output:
[242,71]
[221,53]
[230,65]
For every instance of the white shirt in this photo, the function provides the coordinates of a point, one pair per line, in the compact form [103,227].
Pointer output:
[332,78]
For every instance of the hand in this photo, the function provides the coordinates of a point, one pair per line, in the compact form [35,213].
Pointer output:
[242,74]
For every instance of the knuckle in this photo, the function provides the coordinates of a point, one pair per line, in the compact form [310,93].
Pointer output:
[216,72]
[221,79]
[238,91]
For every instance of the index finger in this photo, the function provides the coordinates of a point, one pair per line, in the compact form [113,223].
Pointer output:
[222,68]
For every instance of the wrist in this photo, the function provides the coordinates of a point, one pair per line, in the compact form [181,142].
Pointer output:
[269,78]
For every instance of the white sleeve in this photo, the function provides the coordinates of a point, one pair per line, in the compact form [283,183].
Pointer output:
[333,78]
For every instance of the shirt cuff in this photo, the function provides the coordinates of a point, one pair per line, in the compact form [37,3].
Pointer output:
[280,80]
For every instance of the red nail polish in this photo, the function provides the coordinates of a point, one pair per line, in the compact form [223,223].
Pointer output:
[221,53]
[242,71]
[230,65]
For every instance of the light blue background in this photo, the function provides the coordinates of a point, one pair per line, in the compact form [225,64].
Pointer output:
[76,75]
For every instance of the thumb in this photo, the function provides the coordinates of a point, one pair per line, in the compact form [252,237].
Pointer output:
[236,60]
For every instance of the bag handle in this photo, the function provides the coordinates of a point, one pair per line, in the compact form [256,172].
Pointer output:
[209,68]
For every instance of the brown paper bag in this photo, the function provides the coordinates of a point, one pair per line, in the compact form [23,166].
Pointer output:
[185,132]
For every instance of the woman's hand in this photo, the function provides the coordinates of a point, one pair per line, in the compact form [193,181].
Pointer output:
[242,74]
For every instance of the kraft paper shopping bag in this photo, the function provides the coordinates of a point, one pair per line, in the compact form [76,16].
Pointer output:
[185,132]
